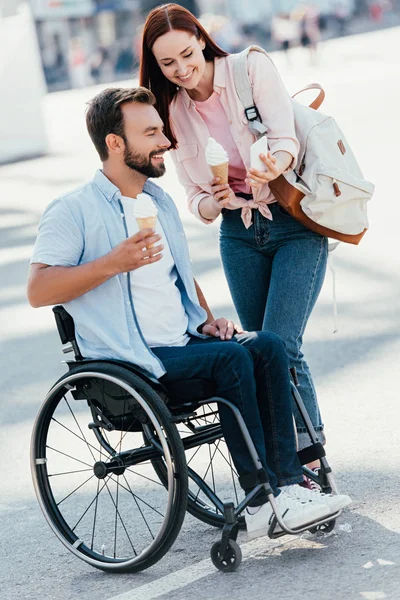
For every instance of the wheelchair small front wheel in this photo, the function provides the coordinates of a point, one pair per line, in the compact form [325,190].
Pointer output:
[324,527]
[230,560]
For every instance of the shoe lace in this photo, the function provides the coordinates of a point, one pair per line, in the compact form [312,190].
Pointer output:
[301,493]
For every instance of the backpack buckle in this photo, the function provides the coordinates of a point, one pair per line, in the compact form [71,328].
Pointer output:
[252,113]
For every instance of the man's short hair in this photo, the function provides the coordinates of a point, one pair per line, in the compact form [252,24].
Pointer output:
[104,114]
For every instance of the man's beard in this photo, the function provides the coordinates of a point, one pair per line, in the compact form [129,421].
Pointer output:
[142,164]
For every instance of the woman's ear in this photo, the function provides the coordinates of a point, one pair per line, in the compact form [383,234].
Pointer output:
[202,43]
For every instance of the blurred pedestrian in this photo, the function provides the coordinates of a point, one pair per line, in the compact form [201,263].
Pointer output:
[342,15]
[77,64]
[309,16]
[285,31]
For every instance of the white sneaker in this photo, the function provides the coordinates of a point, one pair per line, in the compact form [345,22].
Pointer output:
[332,502]
[295,513]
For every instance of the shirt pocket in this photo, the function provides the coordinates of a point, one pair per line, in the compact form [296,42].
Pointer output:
[194,163]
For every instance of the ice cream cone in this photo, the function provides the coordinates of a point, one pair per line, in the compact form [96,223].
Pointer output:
[220,171]
[147,223]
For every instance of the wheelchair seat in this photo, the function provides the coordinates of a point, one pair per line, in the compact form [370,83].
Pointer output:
[178,393]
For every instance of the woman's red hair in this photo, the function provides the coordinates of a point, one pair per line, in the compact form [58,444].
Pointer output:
[161,20]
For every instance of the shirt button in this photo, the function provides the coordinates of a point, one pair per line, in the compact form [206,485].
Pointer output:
[230,122]
[128,303]
[122,215]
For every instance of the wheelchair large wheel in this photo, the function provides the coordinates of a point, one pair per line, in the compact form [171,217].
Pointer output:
[213,479]
[93,474]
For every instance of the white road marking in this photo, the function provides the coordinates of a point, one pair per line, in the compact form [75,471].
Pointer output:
[179,579]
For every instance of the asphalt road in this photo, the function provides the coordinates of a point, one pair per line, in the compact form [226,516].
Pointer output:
[355,369]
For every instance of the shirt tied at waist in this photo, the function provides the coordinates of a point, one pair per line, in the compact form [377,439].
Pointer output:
[246,202]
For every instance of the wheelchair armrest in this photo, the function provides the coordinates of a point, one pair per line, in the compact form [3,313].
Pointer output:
[65,324]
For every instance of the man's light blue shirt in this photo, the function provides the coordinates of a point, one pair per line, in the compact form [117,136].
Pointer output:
[86,224]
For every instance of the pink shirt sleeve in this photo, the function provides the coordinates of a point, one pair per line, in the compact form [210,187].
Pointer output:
[194,192]
[274,105]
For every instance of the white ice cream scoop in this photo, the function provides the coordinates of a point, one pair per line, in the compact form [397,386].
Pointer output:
[144,207]
[215,153]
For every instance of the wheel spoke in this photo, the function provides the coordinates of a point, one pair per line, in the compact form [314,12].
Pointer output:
[208,468]
[145,477]
[69,472]
[116,521]
[138,497]
[228,462]
[95,514]
[212,467]
[94,499]
[76,435]
[69,456]
[140,510]
[76,489]
[117,511]
[80,429]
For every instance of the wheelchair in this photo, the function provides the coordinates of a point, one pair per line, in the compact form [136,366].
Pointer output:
[117,460]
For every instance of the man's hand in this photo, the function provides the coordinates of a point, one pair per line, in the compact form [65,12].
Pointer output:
[221,328]
[135,252]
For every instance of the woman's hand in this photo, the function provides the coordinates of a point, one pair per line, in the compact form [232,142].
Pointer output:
[276,164]
[222,193]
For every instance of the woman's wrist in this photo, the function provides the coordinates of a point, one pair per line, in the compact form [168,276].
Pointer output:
[209,208]
[283,160]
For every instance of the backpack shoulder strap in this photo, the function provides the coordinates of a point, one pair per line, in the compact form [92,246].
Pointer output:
[245,92]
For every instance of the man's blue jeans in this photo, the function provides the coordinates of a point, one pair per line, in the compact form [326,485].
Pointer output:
[275,270]
[251,371]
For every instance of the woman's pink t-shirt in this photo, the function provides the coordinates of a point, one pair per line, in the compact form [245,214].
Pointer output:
[214,116]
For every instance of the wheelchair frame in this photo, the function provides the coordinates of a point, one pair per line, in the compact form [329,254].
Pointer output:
[225,554]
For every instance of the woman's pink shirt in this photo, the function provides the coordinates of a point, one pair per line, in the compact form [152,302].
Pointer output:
[217,122]
[275,107]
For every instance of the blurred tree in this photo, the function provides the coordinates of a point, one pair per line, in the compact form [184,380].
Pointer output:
[148,5]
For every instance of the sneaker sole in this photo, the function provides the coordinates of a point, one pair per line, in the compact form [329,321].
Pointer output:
[257,533]
[336,503]
[291,524]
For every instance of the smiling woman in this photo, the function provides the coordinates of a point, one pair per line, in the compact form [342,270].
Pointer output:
[274,266]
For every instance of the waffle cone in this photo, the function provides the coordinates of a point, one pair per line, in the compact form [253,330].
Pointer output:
[147,223]
[220,171]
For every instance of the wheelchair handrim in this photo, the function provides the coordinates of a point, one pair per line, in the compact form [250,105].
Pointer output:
[38,468]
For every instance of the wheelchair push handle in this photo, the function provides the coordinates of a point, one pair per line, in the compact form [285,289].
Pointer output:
[66,330]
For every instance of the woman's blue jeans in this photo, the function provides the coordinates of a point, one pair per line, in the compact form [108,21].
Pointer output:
[252,371]
[275,270]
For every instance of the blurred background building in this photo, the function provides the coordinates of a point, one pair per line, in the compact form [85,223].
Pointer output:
[84,42]
[22,131]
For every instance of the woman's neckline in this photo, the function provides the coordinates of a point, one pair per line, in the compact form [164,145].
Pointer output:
[204,102]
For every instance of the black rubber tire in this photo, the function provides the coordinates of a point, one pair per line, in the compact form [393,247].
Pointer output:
[231,561]
[43,487]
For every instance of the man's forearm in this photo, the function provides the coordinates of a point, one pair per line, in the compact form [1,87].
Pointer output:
[55,285]
[203,303]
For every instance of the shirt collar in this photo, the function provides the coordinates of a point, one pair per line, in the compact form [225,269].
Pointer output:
[111,192]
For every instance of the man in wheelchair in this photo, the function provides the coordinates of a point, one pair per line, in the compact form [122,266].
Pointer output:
[134,299]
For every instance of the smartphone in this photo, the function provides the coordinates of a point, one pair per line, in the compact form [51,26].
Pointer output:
[259,147]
